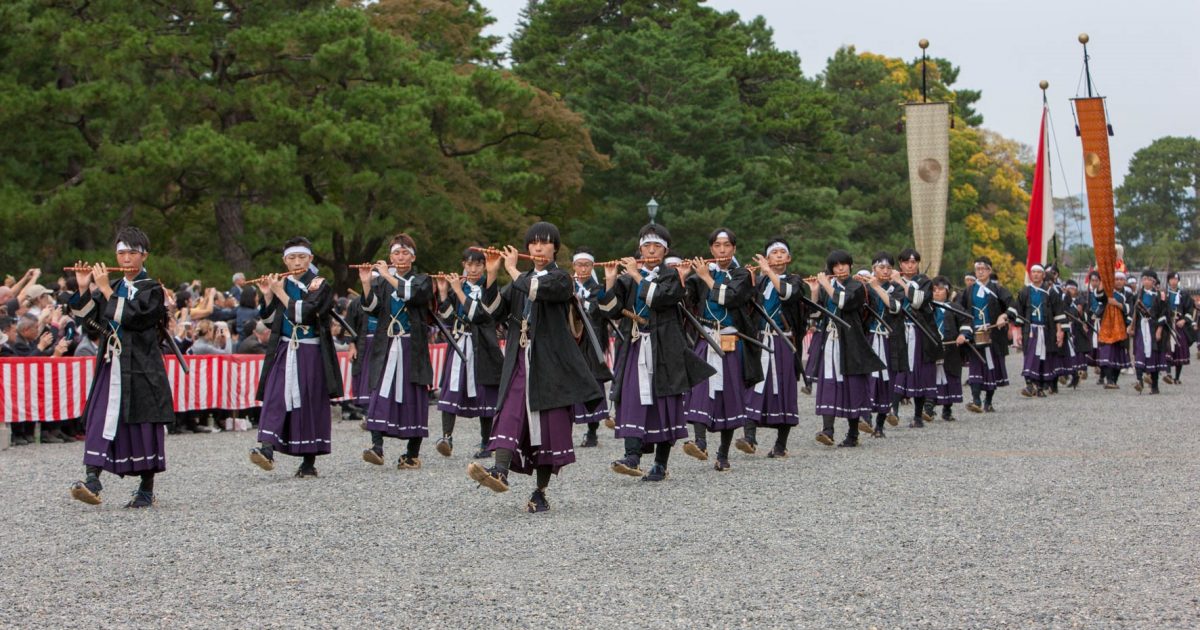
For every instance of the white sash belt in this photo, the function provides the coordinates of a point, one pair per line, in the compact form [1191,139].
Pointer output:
[910,339]
[393,371]
[768,363]
[291,371]
[832,355]
[113,410]
[941,374]
[535,417]
[645,372]
[467,344]
[1039,331]
[1146,336]
[877,339]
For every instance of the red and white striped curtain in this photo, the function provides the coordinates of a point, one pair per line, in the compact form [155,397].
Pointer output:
[44,389]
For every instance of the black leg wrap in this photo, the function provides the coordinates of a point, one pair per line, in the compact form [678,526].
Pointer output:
[543,476]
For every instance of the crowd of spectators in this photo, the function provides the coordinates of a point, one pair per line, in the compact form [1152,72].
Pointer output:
[35,322]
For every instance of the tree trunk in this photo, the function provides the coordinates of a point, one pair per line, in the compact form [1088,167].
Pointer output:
[231,227]
[346,254]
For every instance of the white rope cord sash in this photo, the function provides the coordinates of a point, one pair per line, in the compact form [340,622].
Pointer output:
[467,343]
[291,370]
[112,353]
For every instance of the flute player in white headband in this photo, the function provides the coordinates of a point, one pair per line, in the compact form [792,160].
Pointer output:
[590,292]
[400,369]
[300,373]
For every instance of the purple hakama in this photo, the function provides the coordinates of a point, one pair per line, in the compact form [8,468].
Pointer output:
[1113,355]
[511,430]
[405,420]
[1042,368]
[920,381]
[305,430]
[725,409]
[776,397]
[1180,353]
[880,384]
[454,395]
[660,421]
[361,385]
[135,449]
[581,415]
[989,375]
[1146,355]
[837,395]
[947,391]
[812,363]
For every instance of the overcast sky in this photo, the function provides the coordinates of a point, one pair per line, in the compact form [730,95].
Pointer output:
[1143,58]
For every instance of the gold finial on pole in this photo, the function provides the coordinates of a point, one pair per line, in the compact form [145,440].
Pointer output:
[924,43]
[1083,38]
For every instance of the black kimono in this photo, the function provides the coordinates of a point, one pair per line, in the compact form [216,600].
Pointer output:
[130,438]
[313,308]
[1150,312]
[1180,313]
[558,373]
[857,358]
[919,302]
[1079,319]
[948,377]
[730,295]
[986,303]
[544,372]
[589,294]
[145,390]
[844,359]
[471,318]
[797,314]
[1039,312]
[416,291]
[295,417]
[949,325]
[676,368]
[886,336]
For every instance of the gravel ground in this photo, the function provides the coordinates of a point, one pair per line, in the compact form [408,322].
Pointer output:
[1075,511]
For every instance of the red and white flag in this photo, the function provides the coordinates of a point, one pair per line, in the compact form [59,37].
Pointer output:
[1040,228]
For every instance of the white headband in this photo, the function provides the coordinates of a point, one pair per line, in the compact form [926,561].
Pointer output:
[399,246]
[863,272]
[1036,267]
[587,257]
[672,260]
[778,245]
[126,247]
[720,235]
[653,238]
[297,249]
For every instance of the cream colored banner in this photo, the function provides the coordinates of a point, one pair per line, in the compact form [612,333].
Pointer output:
[928,130]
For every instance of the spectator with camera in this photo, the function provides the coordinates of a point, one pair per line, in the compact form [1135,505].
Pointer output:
[212,338]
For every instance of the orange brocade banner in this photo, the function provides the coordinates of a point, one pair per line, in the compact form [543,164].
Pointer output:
[1093,130]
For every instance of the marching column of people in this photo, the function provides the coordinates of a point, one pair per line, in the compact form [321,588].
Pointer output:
[709,343]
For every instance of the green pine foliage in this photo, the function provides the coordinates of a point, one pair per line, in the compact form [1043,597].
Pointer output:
[225,127]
